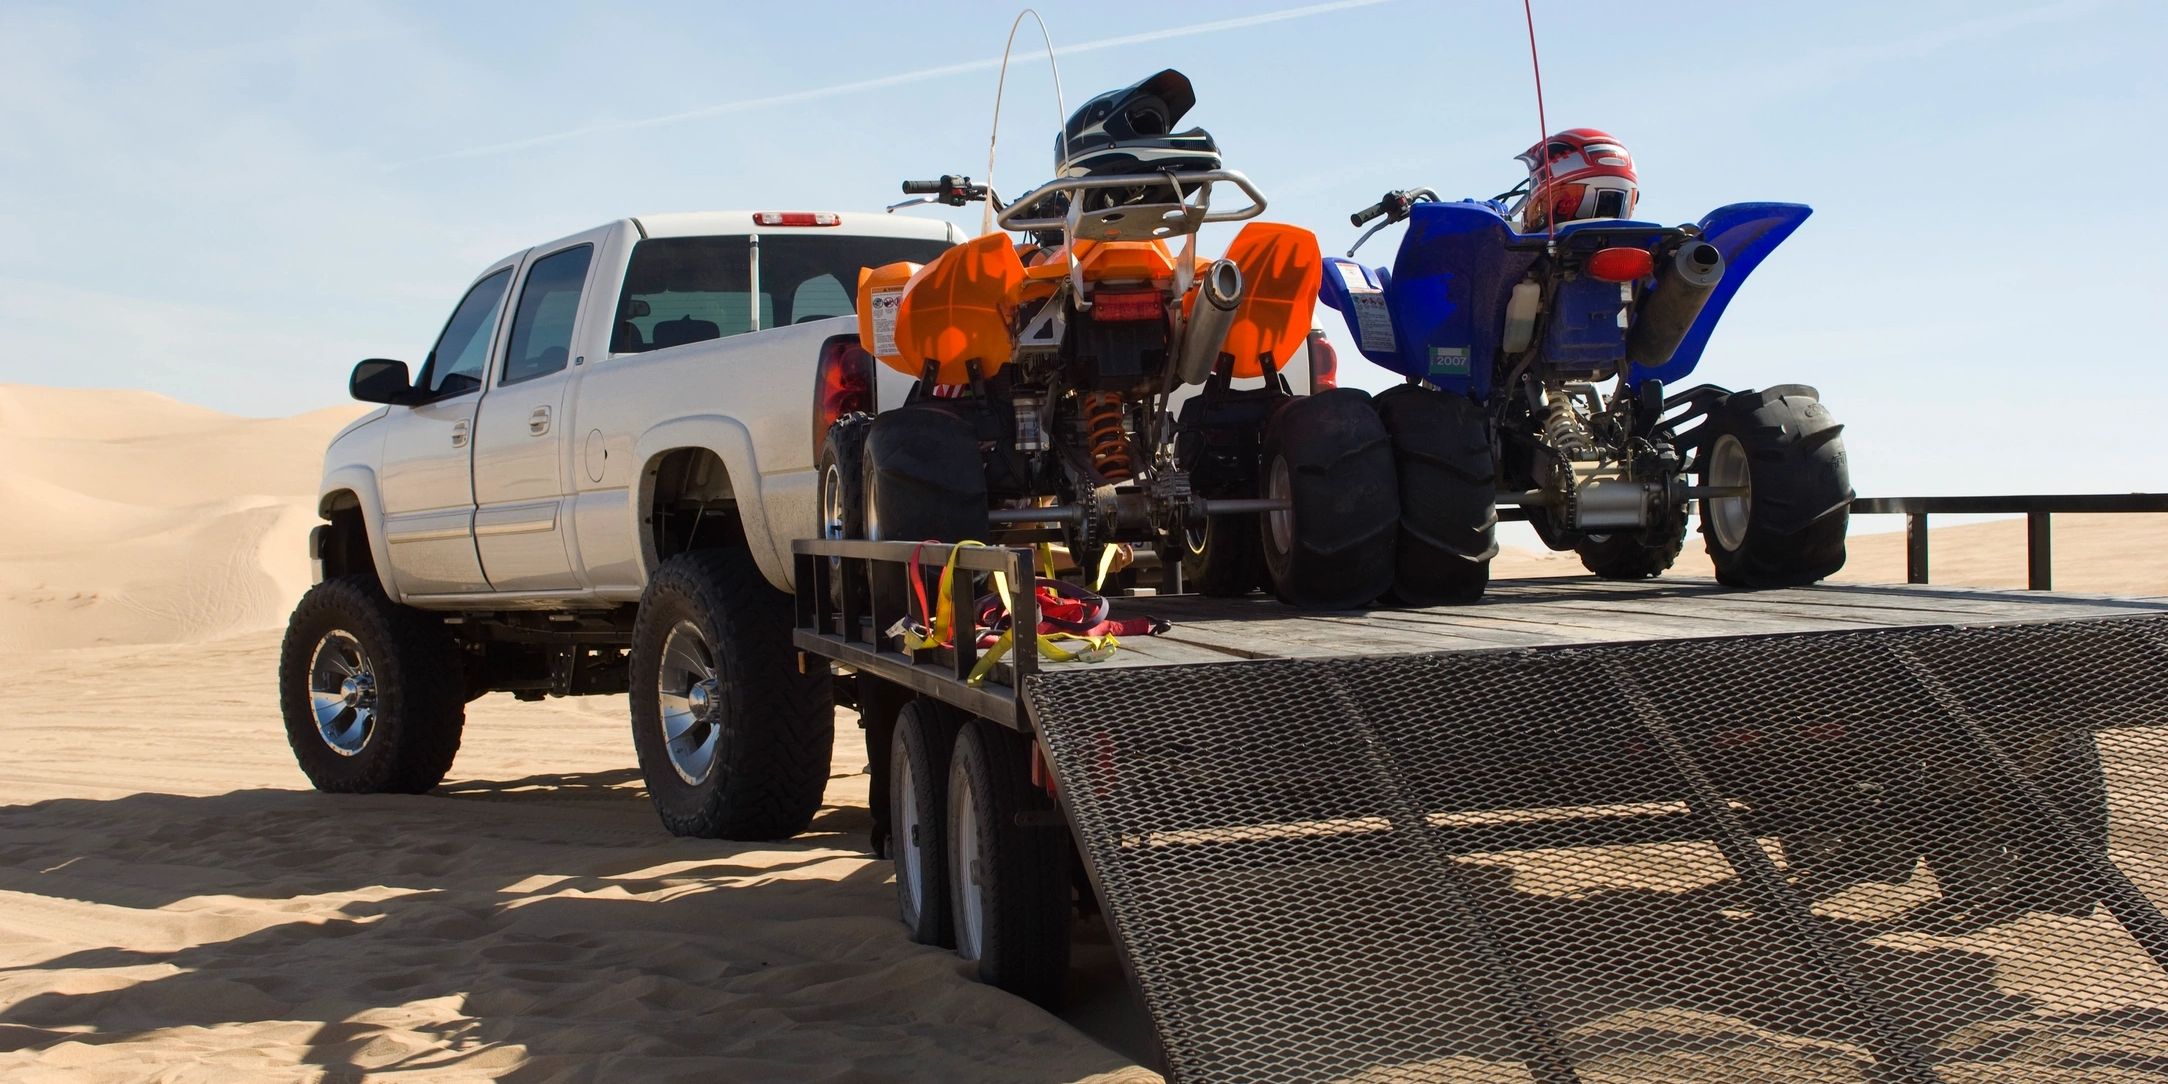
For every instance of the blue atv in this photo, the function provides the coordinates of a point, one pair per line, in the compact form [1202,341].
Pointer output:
[1506,340]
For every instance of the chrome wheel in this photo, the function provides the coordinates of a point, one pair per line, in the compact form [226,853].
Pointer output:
[909,839]
[832,502]
[689,692]
[966,893]
[1728,468]
[1280,522]
[342,692]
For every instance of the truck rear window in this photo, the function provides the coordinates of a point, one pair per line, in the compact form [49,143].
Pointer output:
[681,290]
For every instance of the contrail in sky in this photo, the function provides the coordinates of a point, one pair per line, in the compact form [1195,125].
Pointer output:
[900,78]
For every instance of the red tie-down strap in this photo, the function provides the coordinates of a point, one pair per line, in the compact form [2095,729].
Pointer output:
[1067,612]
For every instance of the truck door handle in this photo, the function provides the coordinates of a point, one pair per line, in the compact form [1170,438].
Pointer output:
[459,433]
[538,422]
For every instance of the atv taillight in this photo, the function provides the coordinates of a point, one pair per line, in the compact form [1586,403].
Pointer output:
[843,384]
[1620,264]
[1324,364]
[1115,306]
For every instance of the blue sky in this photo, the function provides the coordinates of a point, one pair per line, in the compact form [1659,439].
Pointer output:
[232,203]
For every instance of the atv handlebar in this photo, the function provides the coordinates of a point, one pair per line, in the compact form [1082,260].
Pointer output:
[1393,206]
[921,188]
[953,190]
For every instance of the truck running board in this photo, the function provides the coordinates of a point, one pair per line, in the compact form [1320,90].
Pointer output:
[1894,854]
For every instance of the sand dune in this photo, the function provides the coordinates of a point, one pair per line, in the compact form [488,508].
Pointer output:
[175,904]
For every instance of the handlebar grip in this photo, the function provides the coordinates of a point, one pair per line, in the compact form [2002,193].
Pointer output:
[921,188]
[1375,210]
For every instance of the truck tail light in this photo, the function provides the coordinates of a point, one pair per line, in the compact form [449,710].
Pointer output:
[1120,306]
[1324,364]
[843,384]
[797,218]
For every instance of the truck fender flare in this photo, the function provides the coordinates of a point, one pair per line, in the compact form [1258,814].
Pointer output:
[361,481]
[728,439]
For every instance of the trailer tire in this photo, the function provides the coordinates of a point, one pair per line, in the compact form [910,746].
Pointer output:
[1009,881]
[371,691]
[842,497]
[1783,445]
[733,737]
[1634,555]
[924,480]
[1448,475]
[1330,457]
[918,764]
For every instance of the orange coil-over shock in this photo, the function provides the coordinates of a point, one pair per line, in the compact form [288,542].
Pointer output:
[1103,433]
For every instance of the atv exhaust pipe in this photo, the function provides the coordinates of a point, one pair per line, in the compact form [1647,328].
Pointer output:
[1219,294]
[1669,313]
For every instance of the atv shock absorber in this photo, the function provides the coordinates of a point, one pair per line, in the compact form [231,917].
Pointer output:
[1103,434]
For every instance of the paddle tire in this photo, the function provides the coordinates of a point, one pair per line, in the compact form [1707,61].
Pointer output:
[843,498]
[918,765]
[1008,859]
[1448,479]
[371,691]
[733,736]
[1216,441]
[1634,555]
[1329,456]
[1785,448]
[924,480]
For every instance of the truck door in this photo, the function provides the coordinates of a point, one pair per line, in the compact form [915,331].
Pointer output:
[520,524]
[427,484]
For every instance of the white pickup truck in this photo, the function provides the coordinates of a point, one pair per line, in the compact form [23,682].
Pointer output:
[591,486]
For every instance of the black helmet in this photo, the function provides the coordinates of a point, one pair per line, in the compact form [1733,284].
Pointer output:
[1132,131]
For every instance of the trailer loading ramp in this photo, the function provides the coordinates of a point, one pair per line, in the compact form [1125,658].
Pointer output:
[1866,852]
[1599,831]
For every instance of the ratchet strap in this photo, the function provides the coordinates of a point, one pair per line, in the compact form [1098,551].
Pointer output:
[1068,613]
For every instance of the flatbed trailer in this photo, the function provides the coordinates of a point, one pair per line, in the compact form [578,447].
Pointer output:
[1586,830]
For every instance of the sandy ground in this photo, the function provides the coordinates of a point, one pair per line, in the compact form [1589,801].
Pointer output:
[175,904]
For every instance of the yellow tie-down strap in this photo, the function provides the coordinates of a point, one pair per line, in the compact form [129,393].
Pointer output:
[939,632]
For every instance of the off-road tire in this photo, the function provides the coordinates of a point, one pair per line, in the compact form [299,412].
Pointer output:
[1023,869]
[1448,475]
[843,465]
[925,737]
[776,723]
[420,694]
[1333,550]
[1224,559]
[1801,489]
[925,479]
[1634,555]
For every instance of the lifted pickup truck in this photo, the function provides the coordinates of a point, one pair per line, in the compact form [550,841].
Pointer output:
[592,486]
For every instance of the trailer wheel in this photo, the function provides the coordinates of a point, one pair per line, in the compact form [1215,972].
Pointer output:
[371,691]
[843,498]
[733,737]
[1634,555]
[918,765]
[1784,449]
[1983,868]
[1328,455]
[1448,495]
[1008,859]
[924,479]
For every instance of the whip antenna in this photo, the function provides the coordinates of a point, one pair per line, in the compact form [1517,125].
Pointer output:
[1550,229]
[993,139]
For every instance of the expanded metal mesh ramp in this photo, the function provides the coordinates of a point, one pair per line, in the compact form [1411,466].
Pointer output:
[1842,856]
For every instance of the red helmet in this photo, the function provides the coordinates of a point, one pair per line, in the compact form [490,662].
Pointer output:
[1578,173]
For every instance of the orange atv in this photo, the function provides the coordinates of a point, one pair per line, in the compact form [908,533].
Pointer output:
[1046,371]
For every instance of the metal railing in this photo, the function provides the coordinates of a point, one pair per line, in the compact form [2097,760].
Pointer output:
[2037,508]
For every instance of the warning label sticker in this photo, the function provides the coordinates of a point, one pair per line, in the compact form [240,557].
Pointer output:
[885,303]
[1372,321]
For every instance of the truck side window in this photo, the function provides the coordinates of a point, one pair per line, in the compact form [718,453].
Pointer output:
[455,364]
[548,305]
